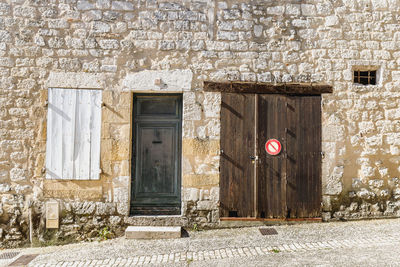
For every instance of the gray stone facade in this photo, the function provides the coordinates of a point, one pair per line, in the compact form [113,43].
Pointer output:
[122,47]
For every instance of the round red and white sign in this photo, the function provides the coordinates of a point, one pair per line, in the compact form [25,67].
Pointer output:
[273,147]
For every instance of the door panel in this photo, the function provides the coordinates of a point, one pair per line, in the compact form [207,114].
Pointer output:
[157,148]
[304,157]
[285,185]
[157,160]
[237,147]
[271,170]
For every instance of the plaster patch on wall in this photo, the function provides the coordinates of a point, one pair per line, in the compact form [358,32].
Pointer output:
[75,80]
[160,81]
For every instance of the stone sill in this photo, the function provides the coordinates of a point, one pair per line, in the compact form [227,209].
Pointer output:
[155,216]
[366,88]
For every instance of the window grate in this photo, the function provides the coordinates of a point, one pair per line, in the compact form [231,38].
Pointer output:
[365,77]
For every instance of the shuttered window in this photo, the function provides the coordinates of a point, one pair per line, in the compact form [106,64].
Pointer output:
[73,134]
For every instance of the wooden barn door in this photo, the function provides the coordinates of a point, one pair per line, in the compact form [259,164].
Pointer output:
[237,148]
[287,185]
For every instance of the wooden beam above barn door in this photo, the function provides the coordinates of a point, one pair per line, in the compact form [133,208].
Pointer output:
[267,88]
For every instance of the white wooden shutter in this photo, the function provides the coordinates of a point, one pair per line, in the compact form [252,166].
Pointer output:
[73,134]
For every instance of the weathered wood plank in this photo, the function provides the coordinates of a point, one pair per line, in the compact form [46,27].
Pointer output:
[95,132]
[237,146]
[83,128]
[266,88]
[67,130]
[271,169]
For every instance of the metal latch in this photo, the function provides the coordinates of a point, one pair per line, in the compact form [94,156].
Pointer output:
[253,158]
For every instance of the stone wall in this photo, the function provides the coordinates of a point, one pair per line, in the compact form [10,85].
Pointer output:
[122,47]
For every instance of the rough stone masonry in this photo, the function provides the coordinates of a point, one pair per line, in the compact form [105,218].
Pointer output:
[121,47]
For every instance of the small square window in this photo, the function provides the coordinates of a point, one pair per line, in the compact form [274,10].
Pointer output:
[365,77]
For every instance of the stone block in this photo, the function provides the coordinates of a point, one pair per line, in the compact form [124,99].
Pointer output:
[4,188]
[379,4]
[308,10]
[258,30]
[125,167]
[109,44]
[82,190]
[121,181]
[169,6]
[83,208]
[152,232]
[276,10]
[198,181]
[326,203]
[123,208]
[365,194]
[334,184]
[105,208]
[198,147]
[100,27]
[115,220]
[292,9]
[212,105]
[58,24]
[121,195]
[108,68]
[120,150]
[92,15]
[17,174]
[5,36]
[122,5]
[4,175]
[206,205]
[105,151]
[326,216]
[85,5]
[192,112]
[190,194]
[166,45]
[103,4]
[175,80]
[331,21]
[120,115]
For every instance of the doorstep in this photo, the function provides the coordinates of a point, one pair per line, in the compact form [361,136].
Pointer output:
[153,232]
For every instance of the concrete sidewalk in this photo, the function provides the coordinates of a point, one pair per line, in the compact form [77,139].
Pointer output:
[366,243]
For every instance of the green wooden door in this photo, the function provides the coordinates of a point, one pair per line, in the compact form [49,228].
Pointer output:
[156,161]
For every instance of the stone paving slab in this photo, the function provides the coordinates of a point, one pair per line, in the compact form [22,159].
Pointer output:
[216,254]
[226,246]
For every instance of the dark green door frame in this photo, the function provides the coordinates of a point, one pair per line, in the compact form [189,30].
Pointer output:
[156,157]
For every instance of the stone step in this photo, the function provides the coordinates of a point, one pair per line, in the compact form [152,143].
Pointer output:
[153,232]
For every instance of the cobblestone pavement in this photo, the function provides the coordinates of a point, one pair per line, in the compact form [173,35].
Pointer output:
[366,243]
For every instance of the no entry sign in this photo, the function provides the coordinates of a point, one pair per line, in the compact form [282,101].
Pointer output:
[273,147]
